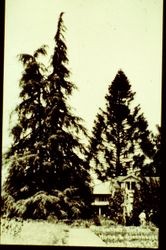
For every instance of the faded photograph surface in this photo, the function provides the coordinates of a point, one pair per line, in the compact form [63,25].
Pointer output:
[81,123]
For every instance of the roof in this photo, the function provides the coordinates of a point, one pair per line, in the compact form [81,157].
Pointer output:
[107,187]
[102,188]
[126,178]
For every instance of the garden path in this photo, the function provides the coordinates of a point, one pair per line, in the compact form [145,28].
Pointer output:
[84,237]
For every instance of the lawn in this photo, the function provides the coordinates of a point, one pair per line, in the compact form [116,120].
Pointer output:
[31,232]
[127,236]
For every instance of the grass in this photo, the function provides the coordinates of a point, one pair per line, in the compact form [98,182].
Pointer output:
[29,232]
[131,236]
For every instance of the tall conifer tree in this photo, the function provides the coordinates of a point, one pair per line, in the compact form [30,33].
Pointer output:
[49,174]
[65,151]
[120,137]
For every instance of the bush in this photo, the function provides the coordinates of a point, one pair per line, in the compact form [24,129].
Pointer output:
[115,209]
[96,220]
[7,205]
[147,198]
[80,223]
[43,205]
[52,218]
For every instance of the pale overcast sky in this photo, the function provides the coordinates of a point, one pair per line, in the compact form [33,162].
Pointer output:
[102,37]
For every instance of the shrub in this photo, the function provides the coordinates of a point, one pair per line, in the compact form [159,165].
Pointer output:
[7,205]
[96,220]
[115,209]
[41,205]
[147,198]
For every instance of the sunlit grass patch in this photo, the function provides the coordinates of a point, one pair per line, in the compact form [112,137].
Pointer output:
[31,232]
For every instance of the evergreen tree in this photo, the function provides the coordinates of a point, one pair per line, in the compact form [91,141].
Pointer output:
[28,132]
[49,175]
[120,136]
[157,162]
[65,152]
[154,167]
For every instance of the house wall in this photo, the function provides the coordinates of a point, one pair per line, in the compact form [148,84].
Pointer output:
[128,184]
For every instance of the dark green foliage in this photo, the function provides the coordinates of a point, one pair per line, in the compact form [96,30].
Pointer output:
[42,205]
[115,209]
[120,136]
[157,159]
[65,153]
[154,167]
[7,205]
[30,111]
[24,155]
[138,206]
[96,220]
[147,198]
[150,191]
[46,153]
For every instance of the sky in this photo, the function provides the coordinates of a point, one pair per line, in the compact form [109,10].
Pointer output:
[102,37]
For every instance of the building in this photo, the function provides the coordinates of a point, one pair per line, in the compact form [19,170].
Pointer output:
[101,193]
[103,190]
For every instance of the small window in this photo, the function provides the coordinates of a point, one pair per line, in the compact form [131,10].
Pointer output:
[133,185]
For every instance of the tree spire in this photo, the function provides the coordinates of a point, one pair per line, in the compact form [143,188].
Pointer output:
[120,132]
